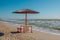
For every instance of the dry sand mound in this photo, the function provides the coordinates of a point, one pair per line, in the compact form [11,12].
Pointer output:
[6,28]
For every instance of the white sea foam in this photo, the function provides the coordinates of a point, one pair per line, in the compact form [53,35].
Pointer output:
[55,32]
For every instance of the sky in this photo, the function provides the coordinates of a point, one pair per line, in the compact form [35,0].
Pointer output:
[49,9]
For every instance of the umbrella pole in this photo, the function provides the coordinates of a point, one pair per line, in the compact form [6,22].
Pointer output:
[26,22]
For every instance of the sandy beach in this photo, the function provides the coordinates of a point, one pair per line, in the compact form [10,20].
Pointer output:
[36,35]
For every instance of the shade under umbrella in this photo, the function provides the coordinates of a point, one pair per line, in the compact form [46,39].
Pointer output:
[26,11]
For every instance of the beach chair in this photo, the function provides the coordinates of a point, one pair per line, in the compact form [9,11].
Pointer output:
[23,29]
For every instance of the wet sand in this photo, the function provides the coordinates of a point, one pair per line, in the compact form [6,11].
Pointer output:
[36,35]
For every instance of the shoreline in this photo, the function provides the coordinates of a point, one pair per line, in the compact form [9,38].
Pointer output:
[35,28]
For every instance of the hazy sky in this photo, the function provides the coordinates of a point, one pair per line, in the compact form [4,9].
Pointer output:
[49,9]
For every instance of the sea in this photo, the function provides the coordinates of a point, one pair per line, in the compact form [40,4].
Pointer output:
[51,26]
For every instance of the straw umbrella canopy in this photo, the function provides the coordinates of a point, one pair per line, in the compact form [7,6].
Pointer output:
[26,11]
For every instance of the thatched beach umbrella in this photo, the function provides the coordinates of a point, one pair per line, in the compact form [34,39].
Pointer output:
[26,11]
